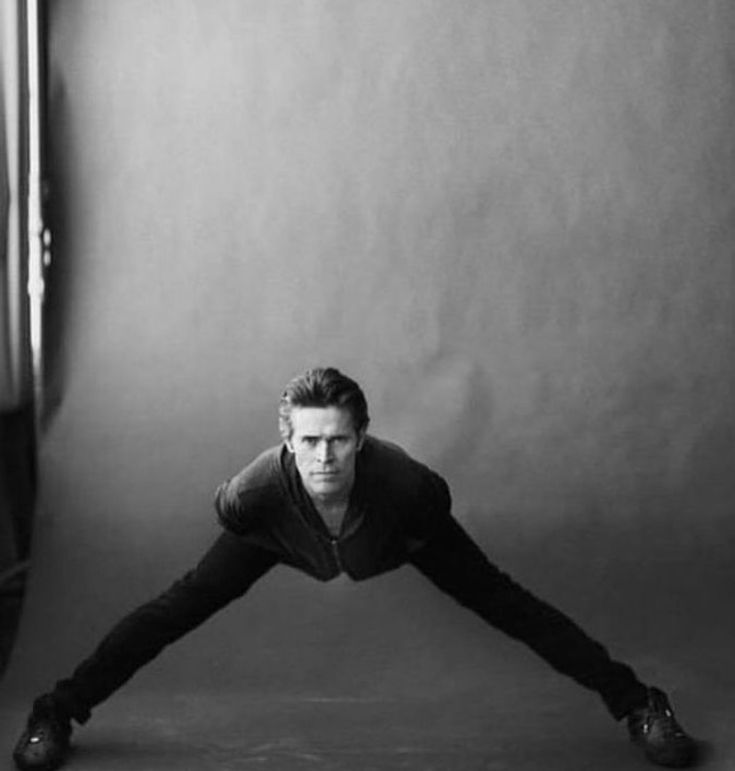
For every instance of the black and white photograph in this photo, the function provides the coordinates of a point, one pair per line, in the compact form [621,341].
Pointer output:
[367,385]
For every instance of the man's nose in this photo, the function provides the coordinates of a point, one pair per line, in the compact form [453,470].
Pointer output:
[325,452]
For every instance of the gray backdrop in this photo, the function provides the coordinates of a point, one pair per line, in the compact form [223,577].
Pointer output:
[511,221]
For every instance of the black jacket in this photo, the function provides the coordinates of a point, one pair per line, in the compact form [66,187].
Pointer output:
[396,506]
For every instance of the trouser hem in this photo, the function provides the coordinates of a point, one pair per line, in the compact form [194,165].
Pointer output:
[621,705]
[70,706]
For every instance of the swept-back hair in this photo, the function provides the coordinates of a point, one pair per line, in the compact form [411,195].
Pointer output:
[322,387]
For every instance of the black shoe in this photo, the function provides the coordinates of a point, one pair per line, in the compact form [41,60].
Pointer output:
[44,744]
[653,727]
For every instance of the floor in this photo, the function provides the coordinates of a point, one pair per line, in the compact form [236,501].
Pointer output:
[528,721]
[203,731]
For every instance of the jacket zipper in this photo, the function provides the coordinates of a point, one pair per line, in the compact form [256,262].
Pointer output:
[335,552]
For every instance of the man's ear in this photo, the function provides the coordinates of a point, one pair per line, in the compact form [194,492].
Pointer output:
[289,445]
[361,439]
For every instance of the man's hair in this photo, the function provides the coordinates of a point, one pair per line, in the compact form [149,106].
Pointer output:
[322,387]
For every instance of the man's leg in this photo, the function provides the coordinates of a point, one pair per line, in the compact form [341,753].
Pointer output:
[228,569]
[454,563]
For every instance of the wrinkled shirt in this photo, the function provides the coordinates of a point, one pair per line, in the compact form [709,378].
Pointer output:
[396,506]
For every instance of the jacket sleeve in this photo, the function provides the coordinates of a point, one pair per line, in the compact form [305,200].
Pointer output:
[237,512]
[427,516]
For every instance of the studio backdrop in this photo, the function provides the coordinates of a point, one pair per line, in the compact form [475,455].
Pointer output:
[511,222]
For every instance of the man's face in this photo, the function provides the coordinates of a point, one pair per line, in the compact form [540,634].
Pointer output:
[325,445]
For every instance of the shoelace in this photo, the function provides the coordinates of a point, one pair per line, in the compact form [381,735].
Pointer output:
[39,733]
[666,724]
[45,727]
[659,713]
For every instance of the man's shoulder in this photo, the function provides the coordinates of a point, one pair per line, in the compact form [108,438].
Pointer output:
[254,489]
[385,462]
[260,475]
[245,498]
[395,481]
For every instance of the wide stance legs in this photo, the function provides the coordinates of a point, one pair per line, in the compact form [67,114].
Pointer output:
[452,561]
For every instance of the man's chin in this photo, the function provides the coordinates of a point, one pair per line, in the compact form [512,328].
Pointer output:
[326,483]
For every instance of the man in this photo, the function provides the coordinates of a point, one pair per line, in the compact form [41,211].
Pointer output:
[332,499]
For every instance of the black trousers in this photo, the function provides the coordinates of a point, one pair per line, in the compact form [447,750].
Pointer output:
[452,561]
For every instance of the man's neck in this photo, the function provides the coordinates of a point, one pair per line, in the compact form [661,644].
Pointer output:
[330,505]
[332,513]
[332,510]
